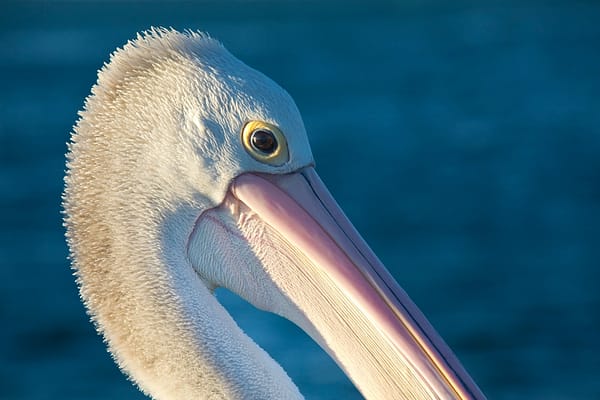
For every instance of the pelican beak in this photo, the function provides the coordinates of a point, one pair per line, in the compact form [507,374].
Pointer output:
[300,208]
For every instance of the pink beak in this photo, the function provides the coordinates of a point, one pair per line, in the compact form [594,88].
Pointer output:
[300,207]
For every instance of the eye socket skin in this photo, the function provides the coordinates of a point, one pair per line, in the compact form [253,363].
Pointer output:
[265,143]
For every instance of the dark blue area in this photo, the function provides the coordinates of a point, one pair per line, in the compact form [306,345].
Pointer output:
[462,138]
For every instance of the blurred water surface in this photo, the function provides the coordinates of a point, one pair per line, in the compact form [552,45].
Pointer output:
[462,138]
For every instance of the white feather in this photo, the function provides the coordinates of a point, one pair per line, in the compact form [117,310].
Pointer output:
[156,145]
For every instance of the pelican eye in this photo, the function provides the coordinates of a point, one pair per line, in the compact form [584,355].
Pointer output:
[265,142]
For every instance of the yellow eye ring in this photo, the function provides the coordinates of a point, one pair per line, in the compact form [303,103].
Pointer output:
[265,142]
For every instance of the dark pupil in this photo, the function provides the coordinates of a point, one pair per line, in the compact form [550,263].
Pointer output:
[264,141]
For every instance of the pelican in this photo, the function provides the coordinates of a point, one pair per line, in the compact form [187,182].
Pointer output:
[187,171]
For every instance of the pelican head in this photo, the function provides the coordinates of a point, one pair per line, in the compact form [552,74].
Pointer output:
[188,171]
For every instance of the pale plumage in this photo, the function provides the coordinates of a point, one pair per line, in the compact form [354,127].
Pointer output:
[165,200]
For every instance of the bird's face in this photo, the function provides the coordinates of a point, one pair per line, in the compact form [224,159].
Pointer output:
[191,125]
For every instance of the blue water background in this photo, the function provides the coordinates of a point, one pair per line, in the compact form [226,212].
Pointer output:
[461,137]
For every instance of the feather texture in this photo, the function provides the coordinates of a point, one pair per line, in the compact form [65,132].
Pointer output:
[156,145]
